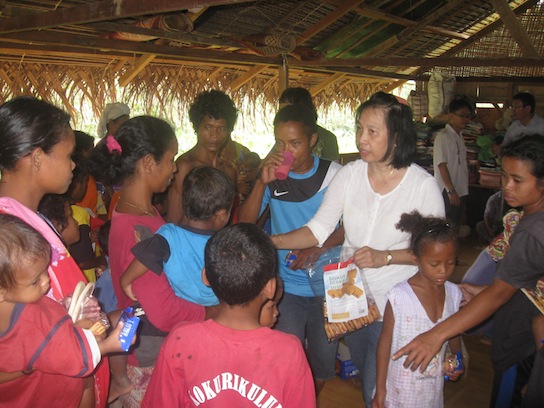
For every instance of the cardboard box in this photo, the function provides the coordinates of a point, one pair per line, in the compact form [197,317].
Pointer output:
[344,367]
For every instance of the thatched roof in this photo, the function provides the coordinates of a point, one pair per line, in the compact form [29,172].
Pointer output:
[164,51]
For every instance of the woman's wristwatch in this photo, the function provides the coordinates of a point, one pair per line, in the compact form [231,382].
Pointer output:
[389,258]
[450,191]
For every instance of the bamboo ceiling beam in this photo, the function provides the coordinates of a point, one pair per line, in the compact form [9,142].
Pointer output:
[246,77]
[139,66]
[483,32]
[330,18]
[376,13]
[432,17]
[516,29]
[128,48]
[169,35]
[424,62]
[325,83]
[102,10]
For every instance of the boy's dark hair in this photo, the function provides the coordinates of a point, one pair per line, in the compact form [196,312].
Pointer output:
[19,243]
[460,102]
[297,113]
[138,137]
[53,207]
[298,96]
[27,123]
[80,173]
[239,260]
[206,190]
[526,99]
[84,143]
[530,149]
[103,234]
[426,230]
[215,104]
[400,128]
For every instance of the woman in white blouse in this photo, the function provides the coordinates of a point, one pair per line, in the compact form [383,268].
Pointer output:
[370,195]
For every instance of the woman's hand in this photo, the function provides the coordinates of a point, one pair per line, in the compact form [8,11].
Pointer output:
[366,257]
[305,257]
[420,351]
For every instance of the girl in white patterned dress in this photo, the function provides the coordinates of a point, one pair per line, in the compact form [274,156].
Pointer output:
[415,306]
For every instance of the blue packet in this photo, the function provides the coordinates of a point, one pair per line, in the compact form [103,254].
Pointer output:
[457,362]
[130,325]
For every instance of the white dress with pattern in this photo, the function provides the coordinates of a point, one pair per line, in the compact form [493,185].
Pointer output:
[404,387]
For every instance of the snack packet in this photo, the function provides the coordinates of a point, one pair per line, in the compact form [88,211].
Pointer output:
[348,304]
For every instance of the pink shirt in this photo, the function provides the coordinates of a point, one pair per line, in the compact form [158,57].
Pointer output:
[163,308]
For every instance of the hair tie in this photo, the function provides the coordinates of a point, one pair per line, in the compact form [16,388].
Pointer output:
[113,145]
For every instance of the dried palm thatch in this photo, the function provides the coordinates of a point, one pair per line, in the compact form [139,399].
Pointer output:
[163,89]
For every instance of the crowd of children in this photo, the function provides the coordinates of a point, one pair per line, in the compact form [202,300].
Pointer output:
[216,328]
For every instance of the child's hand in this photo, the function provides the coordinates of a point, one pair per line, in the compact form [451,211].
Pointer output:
[112,344]
[128,291]
[455,374]
[378,401]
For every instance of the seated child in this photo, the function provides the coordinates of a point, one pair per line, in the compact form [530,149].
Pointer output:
[414,306]
[44,356]
[231,360]
[208,194]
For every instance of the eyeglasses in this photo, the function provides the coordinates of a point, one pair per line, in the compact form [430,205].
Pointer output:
[517,106]
[464,115]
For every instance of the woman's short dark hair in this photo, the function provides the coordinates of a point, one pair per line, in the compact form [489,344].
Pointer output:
[529,149]
[239,260]
[19,243]
[27,123]
[402,138]
[138,137]
[206,190]
[215,104]
[297,113]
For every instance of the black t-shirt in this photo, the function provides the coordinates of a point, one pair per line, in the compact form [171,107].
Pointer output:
[521,267]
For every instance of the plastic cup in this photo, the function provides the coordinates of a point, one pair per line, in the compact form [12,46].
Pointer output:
[283,170]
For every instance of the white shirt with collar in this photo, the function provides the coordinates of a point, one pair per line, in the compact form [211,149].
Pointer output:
[516,129]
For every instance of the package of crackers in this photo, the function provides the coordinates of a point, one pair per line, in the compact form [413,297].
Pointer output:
[348,305]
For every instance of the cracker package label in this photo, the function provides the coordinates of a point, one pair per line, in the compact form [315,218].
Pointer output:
[344,292]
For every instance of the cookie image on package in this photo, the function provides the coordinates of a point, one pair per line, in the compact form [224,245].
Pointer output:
[351,275]
[335,293]
[350,289]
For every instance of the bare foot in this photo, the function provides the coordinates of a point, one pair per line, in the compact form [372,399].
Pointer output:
[118,387]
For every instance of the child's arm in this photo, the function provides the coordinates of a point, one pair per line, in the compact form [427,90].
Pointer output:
[538,330]
[455,347]
[133,272]
[383,355]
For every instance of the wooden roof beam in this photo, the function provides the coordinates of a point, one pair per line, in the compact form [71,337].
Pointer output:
[246,77]
[516,29]
[325,83]
[102,10]
[344,8]
[483,32]
[378,14]
[424,62]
